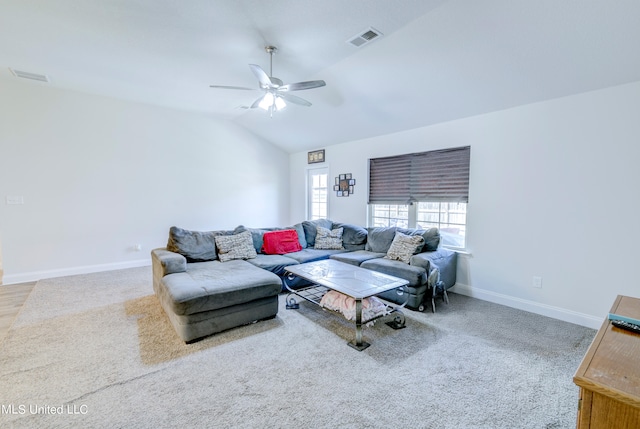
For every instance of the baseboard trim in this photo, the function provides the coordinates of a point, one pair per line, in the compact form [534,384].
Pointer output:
[530,306]
[62,272]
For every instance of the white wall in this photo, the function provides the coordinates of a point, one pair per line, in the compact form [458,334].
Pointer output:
[553,193]
[99,175]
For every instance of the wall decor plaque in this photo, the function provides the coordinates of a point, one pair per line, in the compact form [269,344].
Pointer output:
[315,156]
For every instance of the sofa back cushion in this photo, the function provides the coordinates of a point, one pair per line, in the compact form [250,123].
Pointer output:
[196,246]
[379,239]
[354,237]
[280,242]
[431,239]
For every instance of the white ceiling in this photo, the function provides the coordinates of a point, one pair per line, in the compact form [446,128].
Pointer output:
[438,60]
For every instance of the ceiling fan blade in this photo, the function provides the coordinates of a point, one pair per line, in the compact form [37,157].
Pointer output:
[244,88]
[263,78]
[293,99]
[299,86]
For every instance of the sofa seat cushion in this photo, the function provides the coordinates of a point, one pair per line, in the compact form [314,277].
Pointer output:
[416,276]
[273,263]
[357,257]
[211,285]
[311,255]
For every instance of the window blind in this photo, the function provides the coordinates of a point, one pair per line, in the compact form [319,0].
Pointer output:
[439,175]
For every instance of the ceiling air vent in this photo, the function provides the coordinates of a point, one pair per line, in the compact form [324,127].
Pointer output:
[32,76]
[368,35]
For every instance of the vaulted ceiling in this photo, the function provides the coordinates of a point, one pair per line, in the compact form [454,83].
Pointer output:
[437,60]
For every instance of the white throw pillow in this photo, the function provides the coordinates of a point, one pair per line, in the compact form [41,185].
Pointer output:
[329,240]
[237,246]
[404,246]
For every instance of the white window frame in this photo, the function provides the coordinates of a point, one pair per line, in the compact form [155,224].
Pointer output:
[412,222]
[310,191]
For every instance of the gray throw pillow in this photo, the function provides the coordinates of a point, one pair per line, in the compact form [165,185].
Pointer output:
[237,246]
[328,240]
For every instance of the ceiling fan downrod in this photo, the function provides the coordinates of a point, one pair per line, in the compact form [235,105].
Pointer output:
[271,50]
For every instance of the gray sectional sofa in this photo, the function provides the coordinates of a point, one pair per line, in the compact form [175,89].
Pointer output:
[203,295]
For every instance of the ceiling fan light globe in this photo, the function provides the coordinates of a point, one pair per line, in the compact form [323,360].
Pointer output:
[279,103]
[267,101]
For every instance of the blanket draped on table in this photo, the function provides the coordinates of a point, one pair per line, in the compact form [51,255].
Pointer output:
[372,307]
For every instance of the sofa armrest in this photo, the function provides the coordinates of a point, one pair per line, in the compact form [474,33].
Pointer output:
[166,262]
[444,260]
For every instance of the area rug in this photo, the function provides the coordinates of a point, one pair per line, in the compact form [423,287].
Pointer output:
[97,351]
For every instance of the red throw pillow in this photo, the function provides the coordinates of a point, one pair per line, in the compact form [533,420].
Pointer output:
[281,242]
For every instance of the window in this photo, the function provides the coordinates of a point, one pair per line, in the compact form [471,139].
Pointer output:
[449,218]
[317,193]
[422,190]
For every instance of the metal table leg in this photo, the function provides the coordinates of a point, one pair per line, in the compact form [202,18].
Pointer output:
[359,344]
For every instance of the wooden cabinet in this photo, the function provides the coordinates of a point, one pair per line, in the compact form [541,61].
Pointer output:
[609,375]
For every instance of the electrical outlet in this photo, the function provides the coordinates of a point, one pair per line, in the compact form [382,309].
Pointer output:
[137,247]
[536,282]
[15,199]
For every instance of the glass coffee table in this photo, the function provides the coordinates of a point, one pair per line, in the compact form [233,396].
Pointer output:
[355,282]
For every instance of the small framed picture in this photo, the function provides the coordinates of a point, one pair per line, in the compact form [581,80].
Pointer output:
[336,187]
[315,156]
[337,181]
[348,176]
[352,182]
[351,189]
[338,193]
[342,177]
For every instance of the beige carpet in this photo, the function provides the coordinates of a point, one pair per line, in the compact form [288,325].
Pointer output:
[99,349]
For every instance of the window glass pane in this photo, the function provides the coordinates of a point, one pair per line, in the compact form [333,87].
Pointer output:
[390,215]
[450,218]
[318,195]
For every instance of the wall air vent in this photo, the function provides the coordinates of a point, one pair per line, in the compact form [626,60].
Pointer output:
[364,37]
[27,75]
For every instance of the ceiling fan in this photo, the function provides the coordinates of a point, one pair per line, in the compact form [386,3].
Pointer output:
[276,94]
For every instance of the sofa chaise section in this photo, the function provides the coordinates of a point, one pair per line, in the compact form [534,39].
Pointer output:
[204,298]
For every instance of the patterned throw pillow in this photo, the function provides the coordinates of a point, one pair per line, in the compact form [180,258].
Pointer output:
[329,240]
[403,246]
[237,246]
